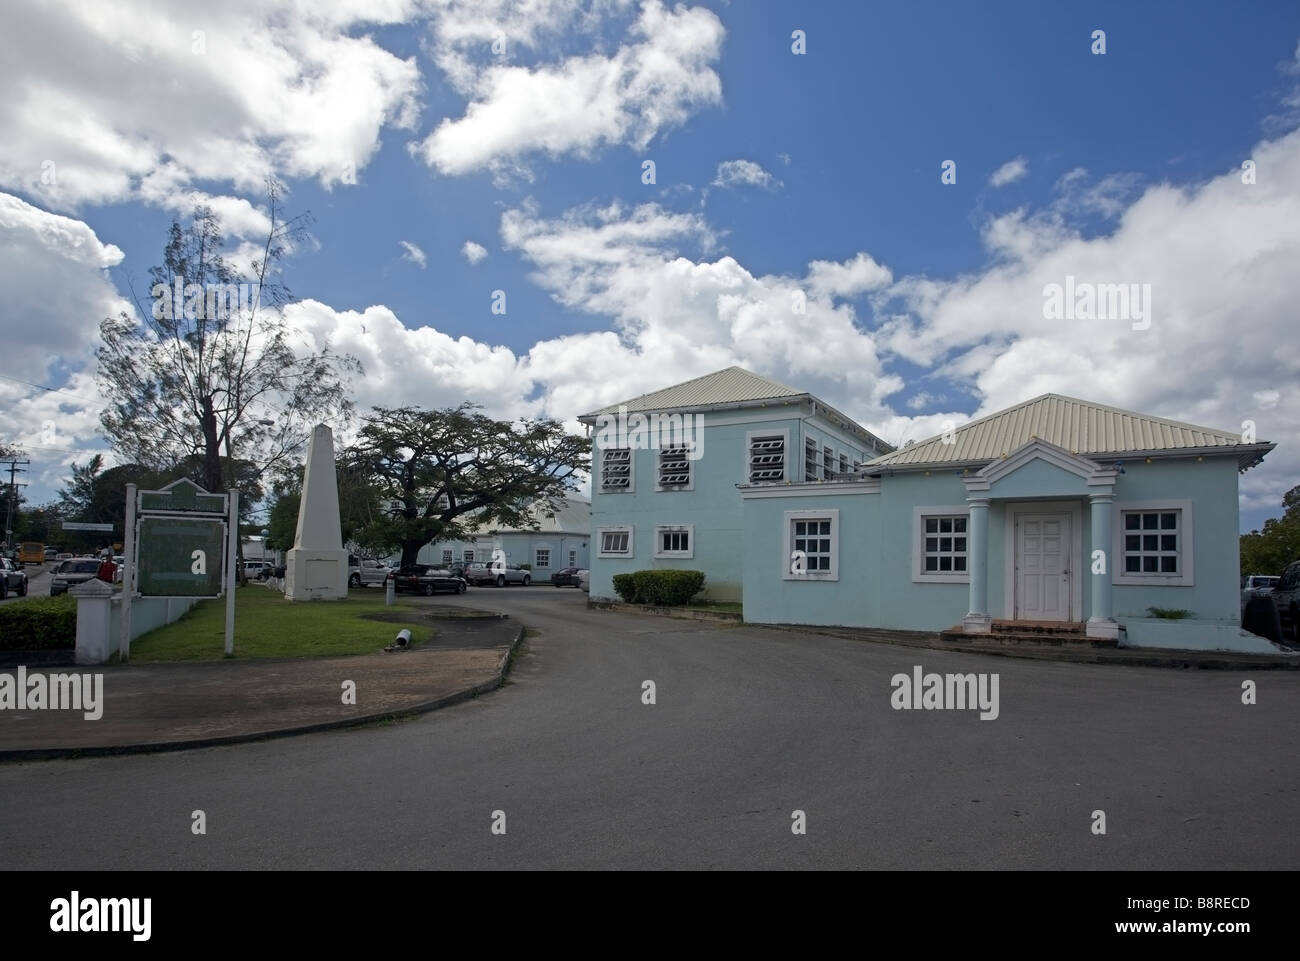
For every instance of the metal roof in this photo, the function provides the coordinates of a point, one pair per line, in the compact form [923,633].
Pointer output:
[730,386]
[1076,425]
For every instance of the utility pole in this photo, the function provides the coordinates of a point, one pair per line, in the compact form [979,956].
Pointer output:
[13,498]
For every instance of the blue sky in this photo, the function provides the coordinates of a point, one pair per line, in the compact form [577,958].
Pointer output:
[1128,162]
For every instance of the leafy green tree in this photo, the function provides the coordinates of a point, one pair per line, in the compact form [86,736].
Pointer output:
[438,472]
[1277,543]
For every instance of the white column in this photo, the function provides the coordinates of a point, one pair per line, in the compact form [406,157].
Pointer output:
[1101,623]
[94,621]
[977,620]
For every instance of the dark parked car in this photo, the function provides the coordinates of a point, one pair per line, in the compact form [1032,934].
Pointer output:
[1286,597]
[568,577]
[427,580]
[73,572]
[12,578]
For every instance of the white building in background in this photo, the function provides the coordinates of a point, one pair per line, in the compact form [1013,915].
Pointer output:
[559,542]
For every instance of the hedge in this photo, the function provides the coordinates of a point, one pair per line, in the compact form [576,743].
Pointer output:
[39,624]
[662,588]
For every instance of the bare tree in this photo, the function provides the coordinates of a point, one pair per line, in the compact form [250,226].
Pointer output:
[211,372]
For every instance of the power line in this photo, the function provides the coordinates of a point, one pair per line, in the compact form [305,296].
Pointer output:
[56,390]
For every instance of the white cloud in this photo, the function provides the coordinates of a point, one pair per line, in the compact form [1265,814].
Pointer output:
[413,254]
[473,252]
[142,106]
[847,279]
[583,103]
[1220,258]
[733,173]
[1009,172]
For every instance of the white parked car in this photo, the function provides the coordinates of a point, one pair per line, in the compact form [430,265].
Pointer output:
[1253,585]
[584,580]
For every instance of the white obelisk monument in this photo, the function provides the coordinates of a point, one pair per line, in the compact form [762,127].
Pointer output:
[316,568]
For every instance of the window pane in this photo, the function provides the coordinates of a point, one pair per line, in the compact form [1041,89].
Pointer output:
[945,544]
[932,543]
[1149,565]
[959,563]
[932,563]
[1150,542]
[1169,542]
[1132,542]
[959,543]
[1169,565]
[932,525]
[825,528]
[945,525]
[959,525]
[1149,521]
[1168,522]
[945,563]
[825,547]
[1132,522]
[1132,564]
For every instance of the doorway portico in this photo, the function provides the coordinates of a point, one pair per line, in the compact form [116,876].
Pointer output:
[1047,552]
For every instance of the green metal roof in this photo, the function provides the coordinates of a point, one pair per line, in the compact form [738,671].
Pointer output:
[1076,425]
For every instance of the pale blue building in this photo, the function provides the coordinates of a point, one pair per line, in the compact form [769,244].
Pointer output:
[668,466]
[558,542]
[1056,511]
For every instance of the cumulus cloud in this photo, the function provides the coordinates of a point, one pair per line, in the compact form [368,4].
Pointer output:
[149,99]
[651,83]
[847,279]
[1220,350]
[413,254]
[1009,172]
[745,173]
[473,252]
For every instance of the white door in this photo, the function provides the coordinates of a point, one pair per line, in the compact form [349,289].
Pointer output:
[1043,575]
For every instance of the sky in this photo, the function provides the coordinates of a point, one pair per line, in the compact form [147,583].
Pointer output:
[650,188]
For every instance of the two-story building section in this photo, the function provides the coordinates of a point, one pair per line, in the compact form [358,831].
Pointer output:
[666,470]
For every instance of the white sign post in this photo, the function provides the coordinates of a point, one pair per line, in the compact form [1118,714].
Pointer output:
[231,583]
[128,575]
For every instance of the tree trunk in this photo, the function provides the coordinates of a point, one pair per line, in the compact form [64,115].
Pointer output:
[411,551]
[212,473]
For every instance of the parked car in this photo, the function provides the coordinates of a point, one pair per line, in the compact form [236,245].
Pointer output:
[51,553]
[367,572]
[584,581]
[501,576]
[73,572]
[12,578]
[427,580]
[566,577]
[119,565]
[1256,584]
[63,556]
[1286,598]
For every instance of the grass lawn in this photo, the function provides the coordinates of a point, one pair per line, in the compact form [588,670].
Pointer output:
[266,625]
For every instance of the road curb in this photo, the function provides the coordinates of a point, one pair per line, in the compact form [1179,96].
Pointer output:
[157,747]
[1139,657]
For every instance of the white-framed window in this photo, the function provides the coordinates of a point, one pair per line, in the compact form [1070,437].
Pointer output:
[573,558]
[542,557]
[675,540]
[446,557]
[1152,543]
[941,544]
[675,473]
[844,463]
[828,463]
[468,557]
[615,541]
[809,459]
[811,546]
[616,471]
[765,456]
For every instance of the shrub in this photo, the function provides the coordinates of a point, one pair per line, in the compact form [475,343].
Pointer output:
[39,624]
[1169,613]
[661,588]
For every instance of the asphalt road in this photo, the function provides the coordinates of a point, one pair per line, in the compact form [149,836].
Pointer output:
[749,726]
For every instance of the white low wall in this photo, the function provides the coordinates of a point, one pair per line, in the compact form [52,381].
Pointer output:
[1193,635]
[99,620]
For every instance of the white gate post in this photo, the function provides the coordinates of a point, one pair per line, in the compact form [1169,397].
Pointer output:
[129,575]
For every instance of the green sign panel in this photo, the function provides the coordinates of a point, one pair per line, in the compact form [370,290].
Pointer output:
[180,556]
[183,495]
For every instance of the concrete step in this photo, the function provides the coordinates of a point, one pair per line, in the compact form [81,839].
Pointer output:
[1028,639]
[1038,627]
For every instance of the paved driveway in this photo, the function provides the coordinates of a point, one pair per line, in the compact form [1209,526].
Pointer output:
[749,726]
